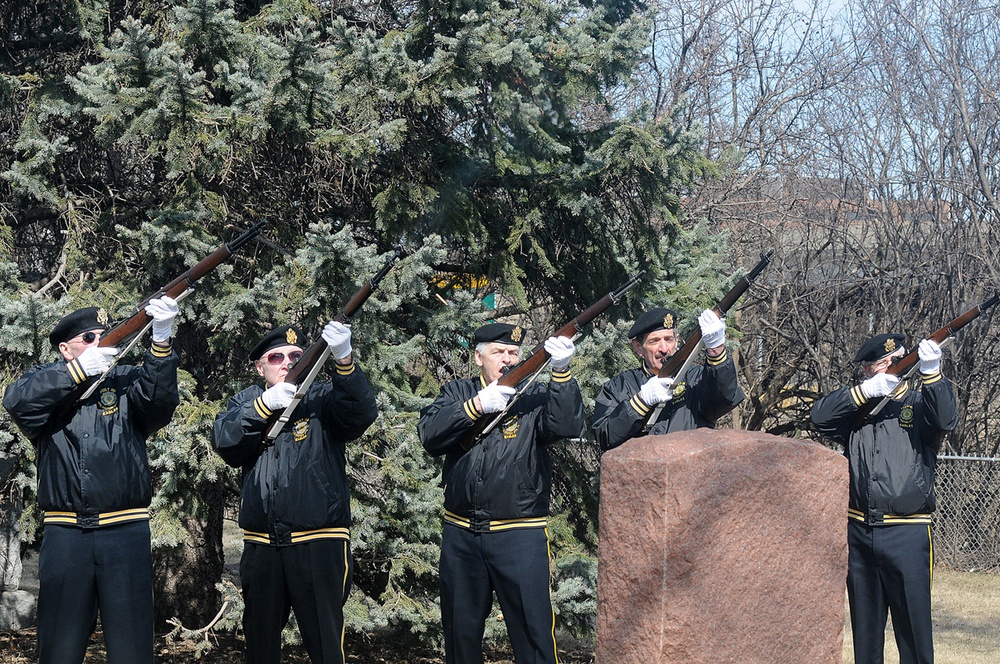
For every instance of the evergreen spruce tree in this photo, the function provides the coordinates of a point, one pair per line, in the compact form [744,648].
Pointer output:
[483,136]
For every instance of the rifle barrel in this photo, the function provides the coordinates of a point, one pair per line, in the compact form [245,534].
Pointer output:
[672,366]
[316,352]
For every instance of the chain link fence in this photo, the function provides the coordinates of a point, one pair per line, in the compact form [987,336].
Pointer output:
[967,522]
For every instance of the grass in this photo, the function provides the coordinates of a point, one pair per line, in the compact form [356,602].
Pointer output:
[965,608]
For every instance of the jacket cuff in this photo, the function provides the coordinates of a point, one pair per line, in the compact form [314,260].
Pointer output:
[931,378]
[716,361]
[261,409]
[345,369]
[161,349]
[563,376]
[470,409]
[858,396]
[76,371]
[640,406]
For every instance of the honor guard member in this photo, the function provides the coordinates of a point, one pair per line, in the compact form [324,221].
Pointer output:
[706,393]
[295,508]
[891,456]
[94,485]
[496,497]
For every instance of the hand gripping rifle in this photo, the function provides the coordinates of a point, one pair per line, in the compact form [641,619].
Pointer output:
[527,370]
[305,370]
[677,364]
[905,366]
[136,325]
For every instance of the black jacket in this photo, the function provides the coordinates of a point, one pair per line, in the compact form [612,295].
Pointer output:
[706,394]
[892,456]
[509,474]
[300,482]
[92,454]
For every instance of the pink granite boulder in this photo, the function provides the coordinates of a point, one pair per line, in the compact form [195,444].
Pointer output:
[722,546]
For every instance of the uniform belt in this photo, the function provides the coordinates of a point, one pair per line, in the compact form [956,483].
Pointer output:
[881,519]
[482,526]
[96,520]
[298,537]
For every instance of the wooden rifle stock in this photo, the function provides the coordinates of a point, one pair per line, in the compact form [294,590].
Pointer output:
[536,360]
[904,366]
[671,368]
[137,321]
[304,371]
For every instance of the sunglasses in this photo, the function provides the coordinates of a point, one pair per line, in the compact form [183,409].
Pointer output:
[88,337]
[274,359]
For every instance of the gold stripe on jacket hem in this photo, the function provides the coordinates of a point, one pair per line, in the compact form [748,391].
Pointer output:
[299,537]
[103,519]
[889,519]
[497,524]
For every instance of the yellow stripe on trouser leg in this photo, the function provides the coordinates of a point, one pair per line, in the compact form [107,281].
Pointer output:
[343,593]
[548,546]
[930,546]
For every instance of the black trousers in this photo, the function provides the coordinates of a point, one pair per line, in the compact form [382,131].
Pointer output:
[83,572]
[314,579]
[890,569]
[515,565]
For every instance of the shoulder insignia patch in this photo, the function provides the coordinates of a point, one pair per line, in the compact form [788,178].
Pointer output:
[300,429]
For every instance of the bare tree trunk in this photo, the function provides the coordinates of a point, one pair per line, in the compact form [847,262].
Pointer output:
[185,575]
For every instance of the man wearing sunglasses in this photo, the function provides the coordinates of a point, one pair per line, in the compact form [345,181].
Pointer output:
[295,506]
[94,484]
[891,458]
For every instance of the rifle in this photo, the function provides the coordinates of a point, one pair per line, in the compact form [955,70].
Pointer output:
[677,364]
[527,370]
[305,370]
[137,324]
[905,366]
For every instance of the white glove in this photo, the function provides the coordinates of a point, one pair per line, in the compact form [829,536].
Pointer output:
[494,397]
[278,396]
[95,360]
[879,385]
[713,329]
[656,390]
[338,338]
[560,349]
[930,356]
[163,310]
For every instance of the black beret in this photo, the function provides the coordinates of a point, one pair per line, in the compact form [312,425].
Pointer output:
[501,333]
[286,335]
[878,347]
[654,319]
[81,320]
